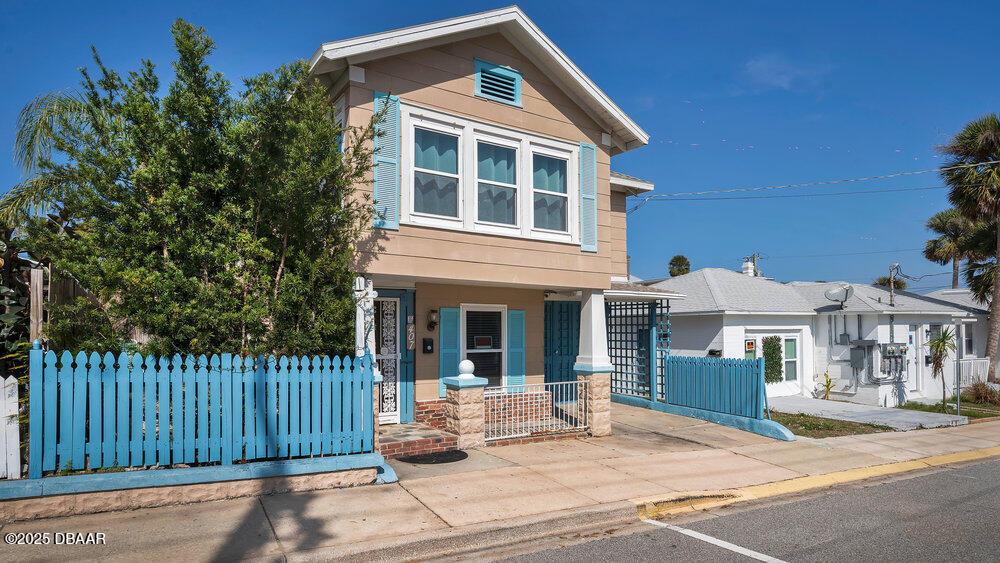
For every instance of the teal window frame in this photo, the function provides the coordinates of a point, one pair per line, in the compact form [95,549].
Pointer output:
[499,70]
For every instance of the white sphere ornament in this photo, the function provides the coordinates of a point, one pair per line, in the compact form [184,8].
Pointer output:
[466,369]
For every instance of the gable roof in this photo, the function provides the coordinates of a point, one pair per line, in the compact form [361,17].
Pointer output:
[875,299]
[717,290]
[519,30]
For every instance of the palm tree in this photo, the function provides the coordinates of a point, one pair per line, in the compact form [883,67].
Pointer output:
[679,265]
[973,175]
[953,229]
[898,284]
[39,124]
[940,346]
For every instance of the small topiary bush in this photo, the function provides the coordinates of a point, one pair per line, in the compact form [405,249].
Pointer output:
[772,359]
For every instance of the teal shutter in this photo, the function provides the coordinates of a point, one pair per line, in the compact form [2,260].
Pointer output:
[386,189]
[515,347]
[449,351]
[588,197]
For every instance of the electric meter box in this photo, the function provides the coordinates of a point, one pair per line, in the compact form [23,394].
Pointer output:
[857,358]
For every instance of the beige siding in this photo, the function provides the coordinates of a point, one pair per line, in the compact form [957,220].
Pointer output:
[435,296]
[619,235]
[441,78]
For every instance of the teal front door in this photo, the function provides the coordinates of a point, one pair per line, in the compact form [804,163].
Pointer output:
[562,340]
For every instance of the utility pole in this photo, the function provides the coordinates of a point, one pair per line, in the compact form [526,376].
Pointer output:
[893,271]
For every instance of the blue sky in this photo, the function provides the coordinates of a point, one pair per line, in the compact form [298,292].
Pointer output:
[733,94]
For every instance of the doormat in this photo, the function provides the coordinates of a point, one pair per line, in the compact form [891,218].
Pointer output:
[436,457]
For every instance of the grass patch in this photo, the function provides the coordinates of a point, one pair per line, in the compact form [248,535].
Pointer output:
[819,427]
[970,409]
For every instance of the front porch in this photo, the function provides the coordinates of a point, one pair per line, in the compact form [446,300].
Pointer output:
[412,439]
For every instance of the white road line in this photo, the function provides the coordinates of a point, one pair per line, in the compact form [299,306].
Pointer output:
[715,541]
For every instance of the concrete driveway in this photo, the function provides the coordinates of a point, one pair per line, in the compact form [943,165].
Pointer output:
[897,419]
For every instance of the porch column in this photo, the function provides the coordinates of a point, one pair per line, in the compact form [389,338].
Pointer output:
[465,413]
[593,364]
[364,341]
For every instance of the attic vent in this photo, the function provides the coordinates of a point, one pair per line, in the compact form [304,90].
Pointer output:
[498,83]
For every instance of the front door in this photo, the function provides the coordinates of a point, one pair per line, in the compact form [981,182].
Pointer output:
[387,357]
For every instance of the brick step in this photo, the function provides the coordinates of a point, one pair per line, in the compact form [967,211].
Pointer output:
[392,449]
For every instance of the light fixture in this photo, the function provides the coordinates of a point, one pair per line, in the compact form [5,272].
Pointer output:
[432,320]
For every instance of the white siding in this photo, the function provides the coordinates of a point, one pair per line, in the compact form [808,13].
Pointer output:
[695,335]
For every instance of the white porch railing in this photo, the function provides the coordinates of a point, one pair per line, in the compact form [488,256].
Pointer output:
[972,370]
[517,411]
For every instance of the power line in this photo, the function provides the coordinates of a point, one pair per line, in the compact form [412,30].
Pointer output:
[857,192]
[844,254]
[655,197]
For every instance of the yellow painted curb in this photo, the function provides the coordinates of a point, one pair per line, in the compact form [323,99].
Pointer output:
[959,457]
[678,503]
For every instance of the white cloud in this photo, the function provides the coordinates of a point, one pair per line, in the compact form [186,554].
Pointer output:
[774,71]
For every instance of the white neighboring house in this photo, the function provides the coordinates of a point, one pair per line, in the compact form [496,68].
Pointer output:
[727,314]
[972,335]
[874,351]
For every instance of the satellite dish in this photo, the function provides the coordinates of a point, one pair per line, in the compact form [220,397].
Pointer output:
[840,294]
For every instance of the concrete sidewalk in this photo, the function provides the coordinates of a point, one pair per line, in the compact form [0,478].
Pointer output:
[651,455]
[899,419]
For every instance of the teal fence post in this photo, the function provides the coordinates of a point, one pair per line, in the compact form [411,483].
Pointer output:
[35,411]
[651,317]
[762,411]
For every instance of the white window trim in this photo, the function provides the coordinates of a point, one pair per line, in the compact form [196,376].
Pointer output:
[552,154]
[469,133]
[408,172]
[464,308]
[514,229]
[797,359]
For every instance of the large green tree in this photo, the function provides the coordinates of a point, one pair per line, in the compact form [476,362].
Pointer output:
[972,174]
[201,218]
[950,246]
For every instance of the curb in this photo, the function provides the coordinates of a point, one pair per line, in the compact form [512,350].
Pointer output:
[598,520]
[660,507]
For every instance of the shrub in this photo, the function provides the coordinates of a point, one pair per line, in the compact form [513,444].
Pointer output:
[981,392]
[772,359]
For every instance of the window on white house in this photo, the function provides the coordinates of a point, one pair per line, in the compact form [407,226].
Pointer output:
[484,343]
[435,173]
[551,201]
[970,346]
[791,359]
[496,170]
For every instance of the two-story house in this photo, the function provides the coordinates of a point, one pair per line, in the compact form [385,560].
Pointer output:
[498,215]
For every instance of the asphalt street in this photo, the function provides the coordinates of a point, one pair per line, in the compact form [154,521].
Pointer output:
[949,515]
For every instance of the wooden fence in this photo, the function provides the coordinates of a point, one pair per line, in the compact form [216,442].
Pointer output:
[93,411]
[10,439]
[723,385]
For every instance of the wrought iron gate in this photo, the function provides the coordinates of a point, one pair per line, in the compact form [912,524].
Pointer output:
[387,357]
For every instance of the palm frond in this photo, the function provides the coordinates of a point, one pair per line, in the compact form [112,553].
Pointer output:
[32,196]
[39,123]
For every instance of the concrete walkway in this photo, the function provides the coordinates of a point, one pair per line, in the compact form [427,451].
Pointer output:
[898,419]
[651,456]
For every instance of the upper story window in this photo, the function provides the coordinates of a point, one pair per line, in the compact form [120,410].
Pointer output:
[551,200]
[470,176]
[498,83]
[435,173]
[497,187]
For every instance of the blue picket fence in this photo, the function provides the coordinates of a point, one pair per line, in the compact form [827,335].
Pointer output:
[90,411]
[723,385]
